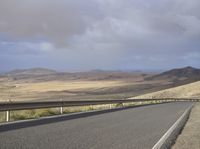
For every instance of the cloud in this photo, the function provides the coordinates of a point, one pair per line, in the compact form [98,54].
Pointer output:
[25,48]
[103,33]
[55,21]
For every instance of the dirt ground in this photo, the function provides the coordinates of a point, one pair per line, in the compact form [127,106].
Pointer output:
[191,90]
[190,136]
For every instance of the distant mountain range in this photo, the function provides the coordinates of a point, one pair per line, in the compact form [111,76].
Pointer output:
[32,71]
[181,75]
[43,74]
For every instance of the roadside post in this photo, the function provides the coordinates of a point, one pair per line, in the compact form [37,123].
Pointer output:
[61,109]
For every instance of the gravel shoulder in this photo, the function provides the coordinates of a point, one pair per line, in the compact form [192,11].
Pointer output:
[190,136]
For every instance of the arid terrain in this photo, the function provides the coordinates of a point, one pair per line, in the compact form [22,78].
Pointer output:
[45,84]
[191,90]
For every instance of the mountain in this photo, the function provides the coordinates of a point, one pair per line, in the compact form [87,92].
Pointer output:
[174,77]
[188,74]
[32,71]
[43,74]
[28,74]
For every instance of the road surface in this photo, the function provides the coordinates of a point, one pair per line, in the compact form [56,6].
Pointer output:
[138,128]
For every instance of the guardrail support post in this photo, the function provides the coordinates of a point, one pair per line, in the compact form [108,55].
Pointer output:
[61,110]
[110,106]
[7,116]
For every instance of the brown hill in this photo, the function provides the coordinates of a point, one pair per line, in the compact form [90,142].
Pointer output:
[191,90]
[182,75]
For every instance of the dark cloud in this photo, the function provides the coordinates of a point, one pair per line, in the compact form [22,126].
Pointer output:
[55,21]
[110,34]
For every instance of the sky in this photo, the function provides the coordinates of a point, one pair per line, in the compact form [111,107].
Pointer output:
[81,35]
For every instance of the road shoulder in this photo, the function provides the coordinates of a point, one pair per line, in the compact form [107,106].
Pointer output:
[190,136]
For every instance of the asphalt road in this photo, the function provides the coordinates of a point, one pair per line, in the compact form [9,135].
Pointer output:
[133,128]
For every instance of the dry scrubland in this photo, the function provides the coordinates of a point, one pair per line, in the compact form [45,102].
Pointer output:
[44,84]
[31,91]
[77,89]
[191,90]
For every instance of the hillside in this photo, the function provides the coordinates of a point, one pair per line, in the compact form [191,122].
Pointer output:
[191,90]
[181,75]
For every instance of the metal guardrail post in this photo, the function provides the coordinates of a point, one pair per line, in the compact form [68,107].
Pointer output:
[7,116]
[61,110]
[110,106]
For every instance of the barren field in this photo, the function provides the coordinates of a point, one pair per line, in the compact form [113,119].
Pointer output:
[74,89]
[42,84]
[191,90]
[70,88]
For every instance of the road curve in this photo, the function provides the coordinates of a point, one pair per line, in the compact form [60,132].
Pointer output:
[138,128]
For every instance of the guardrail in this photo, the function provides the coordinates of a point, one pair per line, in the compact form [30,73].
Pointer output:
[9,106]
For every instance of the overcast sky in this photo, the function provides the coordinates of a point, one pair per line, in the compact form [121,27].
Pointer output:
[79,35]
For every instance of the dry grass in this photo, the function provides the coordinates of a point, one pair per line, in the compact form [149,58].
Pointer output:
[30,91]
[75,89]
[70,85]
[191,90]
[37,113]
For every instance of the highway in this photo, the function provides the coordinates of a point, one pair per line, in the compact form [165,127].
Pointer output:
[138,128]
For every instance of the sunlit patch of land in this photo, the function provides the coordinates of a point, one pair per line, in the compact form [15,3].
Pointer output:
[191,90]
[26,86]
[75,89]
[68,85]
